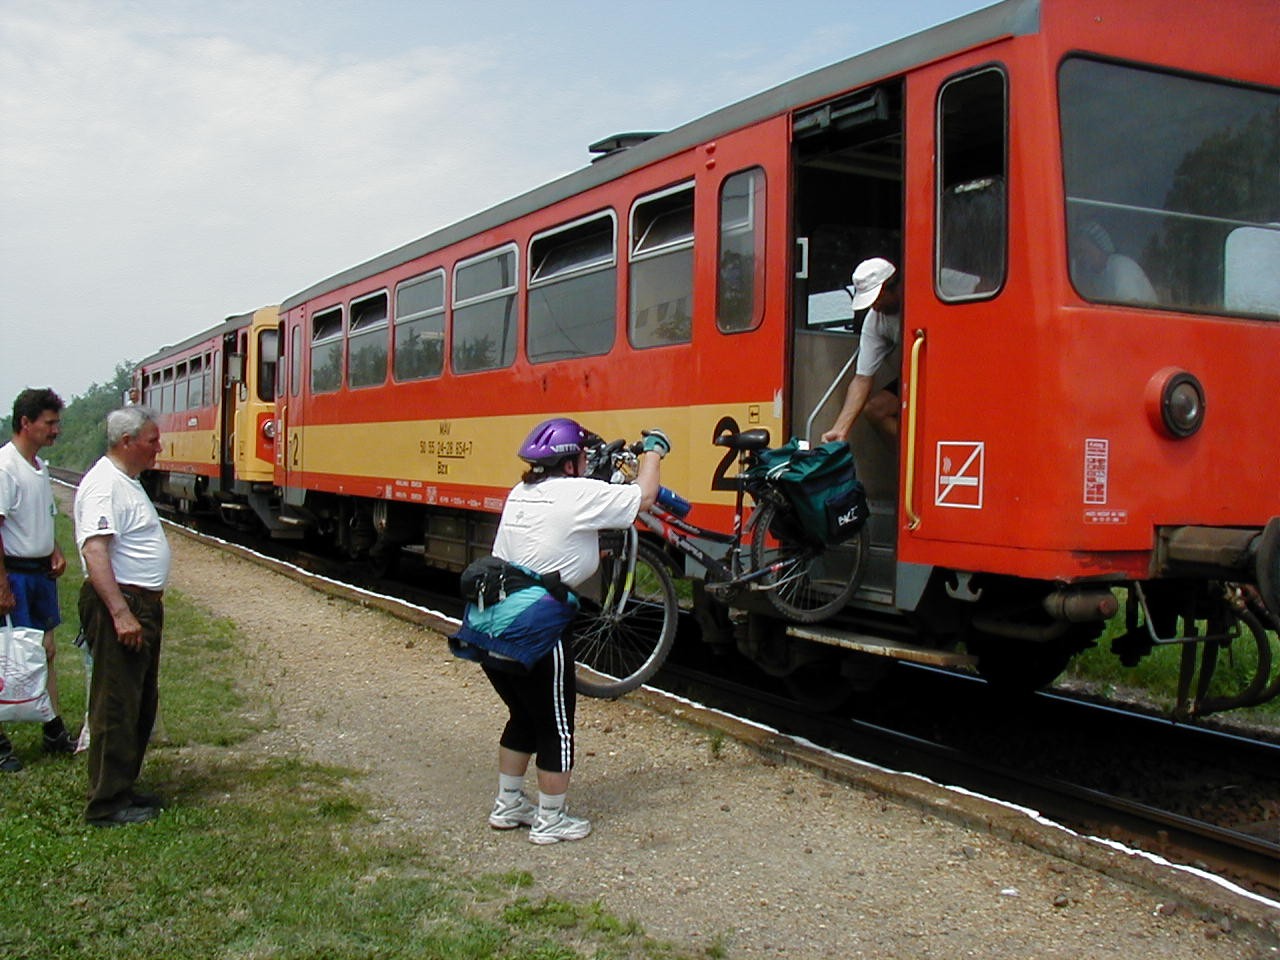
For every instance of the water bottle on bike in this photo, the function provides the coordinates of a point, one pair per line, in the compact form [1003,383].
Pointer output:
[673,503]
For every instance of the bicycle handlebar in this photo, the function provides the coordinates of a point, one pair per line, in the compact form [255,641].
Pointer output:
[617,462]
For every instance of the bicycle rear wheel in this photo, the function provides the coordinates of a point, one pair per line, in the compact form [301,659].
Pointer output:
[810,583]
[618,646]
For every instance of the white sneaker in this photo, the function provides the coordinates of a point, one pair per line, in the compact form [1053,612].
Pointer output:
[557,826]
[509,814]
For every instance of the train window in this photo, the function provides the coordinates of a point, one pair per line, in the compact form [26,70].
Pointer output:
[661,309]
[166,390]
[209,380]
[195,386]
[740,277]
[573,280]
[295,362]
[1171,189]
[180,389]
[972,221]
[419,338]
[268,354]
[326,351]
[367,352]
[484,312]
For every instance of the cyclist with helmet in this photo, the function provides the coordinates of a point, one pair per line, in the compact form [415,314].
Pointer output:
[550,524]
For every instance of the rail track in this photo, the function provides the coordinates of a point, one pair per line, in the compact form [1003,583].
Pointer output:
[1201,798]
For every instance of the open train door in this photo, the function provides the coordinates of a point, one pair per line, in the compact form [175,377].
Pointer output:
[847,206]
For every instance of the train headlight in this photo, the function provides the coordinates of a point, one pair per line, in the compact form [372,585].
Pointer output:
[1175,403]
[269,429]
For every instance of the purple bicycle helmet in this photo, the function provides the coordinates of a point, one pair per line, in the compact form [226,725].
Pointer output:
[552,441]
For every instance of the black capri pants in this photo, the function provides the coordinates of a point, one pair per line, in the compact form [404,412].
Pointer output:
[541,704]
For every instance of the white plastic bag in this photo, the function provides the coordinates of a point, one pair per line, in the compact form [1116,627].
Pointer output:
[24,674]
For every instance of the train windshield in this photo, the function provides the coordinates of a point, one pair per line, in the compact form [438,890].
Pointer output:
[1172,190]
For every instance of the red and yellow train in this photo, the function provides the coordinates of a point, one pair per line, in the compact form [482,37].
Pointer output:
[1083,199]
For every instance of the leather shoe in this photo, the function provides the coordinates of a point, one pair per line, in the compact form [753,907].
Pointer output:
[153,800]
[130,814]
[59,743]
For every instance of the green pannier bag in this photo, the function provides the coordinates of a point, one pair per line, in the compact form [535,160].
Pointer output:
[821,485]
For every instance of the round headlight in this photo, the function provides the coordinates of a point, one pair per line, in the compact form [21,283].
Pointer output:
[269,429]
[1175,402]
[1183,405]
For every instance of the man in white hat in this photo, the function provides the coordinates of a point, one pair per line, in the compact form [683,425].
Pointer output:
[876,284]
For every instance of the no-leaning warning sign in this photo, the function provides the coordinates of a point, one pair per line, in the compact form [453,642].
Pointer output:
[960,472]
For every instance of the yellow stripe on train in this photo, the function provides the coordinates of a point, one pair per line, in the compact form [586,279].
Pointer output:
[188,447]
[481,451]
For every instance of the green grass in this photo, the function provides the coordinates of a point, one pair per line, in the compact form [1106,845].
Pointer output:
[258,855]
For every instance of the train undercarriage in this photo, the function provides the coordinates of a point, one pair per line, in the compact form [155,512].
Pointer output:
[1214,594]
[1208,597]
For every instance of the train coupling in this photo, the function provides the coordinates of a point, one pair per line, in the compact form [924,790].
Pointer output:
[1225,553]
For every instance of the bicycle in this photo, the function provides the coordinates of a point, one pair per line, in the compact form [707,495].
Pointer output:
[629,611]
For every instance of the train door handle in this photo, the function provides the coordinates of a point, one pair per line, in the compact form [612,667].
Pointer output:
[803,244]
[913,404]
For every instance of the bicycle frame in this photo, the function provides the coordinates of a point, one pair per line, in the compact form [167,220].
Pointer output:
[681,533]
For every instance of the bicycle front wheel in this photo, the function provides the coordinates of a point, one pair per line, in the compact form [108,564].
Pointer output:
[809,583]
[619,644]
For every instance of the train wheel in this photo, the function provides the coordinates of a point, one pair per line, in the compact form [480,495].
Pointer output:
[808,586]
[1022,666]
[617,648]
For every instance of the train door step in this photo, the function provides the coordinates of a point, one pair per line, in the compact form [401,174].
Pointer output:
[882,647]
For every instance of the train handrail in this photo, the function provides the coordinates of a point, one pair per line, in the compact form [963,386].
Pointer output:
[913,518]
[813,415]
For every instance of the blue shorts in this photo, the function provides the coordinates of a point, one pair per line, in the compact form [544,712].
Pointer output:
[37,596]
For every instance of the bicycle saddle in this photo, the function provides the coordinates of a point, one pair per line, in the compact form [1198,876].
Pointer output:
[756,439]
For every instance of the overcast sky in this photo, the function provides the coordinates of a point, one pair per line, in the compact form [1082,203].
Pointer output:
[167,163]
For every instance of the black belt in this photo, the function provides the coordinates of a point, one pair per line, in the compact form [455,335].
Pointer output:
[28,564]
[144,592]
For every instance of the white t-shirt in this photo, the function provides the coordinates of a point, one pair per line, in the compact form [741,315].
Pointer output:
[553,525]
[880,334]
[110,502]
[26,503]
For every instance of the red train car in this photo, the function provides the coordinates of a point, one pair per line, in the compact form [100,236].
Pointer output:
[1082,198]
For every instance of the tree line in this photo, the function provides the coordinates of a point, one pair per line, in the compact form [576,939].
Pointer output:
[84,434]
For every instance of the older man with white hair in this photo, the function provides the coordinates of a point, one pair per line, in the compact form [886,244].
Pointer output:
[126,561]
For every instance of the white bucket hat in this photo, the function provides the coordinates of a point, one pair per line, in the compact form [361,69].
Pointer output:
[868,277]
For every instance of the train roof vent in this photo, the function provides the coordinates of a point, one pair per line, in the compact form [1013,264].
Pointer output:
[620,141]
